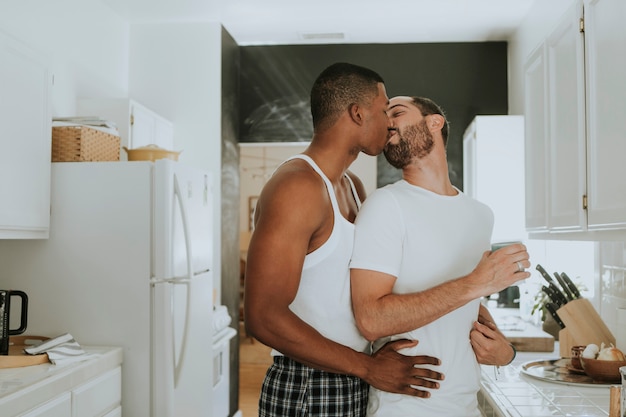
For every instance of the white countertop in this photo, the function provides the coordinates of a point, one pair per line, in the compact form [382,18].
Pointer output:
[509,393]
[20,388]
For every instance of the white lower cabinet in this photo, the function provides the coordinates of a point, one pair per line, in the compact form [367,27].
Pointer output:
[90,388]
[98,396]
[221,372]
[60,406]
[117,412]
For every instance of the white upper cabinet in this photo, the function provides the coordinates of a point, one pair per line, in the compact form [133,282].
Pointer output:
[25,136]
[138,125]
[535,128]
[574,105]
[566,124]
[148,128]
[605,40]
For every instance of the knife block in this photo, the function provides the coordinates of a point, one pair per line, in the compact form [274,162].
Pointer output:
[583,325]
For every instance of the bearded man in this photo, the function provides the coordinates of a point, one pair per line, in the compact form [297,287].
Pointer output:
[420,264]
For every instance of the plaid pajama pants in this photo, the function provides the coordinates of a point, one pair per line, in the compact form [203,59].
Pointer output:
[291,389]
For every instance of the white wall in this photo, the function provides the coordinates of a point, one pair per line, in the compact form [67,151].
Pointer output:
[175,70]
[87,46]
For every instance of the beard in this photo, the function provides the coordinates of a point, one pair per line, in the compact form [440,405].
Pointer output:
[415,141]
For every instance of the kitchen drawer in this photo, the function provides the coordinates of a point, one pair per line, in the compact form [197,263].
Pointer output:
[117,412]
[60,406]
[98,396]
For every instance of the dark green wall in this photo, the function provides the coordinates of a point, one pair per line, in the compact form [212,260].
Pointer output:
[466,79]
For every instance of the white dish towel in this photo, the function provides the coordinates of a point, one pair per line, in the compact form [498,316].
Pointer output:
[61,350]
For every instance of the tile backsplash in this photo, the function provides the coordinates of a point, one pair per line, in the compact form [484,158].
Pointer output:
[611,288]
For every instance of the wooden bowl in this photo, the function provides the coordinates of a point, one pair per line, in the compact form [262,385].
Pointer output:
[602,371]
[150,153]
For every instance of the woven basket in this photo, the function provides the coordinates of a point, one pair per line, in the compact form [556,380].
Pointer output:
[81,144]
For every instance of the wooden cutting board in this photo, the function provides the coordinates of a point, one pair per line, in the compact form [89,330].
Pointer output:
[17,358]
[531,339]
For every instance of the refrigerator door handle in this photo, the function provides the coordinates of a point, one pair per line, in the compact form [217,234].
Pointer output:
[183,215]
[187,281]
[176,280]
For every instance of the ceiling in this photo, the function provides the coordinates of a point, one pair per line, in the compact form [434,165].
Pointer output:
[280,22]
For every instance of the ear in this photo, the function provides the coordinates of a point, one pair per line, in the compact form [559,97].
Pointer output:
[356,113]
[435,122]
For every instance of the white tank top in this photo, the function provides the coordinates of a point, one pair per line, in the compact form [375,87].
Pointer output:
[323,298]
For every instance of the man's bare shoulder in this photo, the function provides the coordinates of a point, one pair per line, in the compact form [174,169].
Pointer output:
[295,189]
[296,176]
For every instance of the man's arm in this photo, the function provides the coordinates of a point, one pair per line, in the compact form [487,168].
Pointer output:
[490,345]
[291,218]
[379,312]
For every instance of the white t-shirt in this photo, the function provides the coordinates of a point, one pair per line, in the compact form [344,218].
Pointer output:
[424,239]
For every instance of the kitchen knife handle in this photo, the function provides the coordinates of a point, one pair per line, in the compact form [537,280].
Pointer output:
[566,291]
[544,274]
[559,297]
[573,288]
[551,295]
[551,307]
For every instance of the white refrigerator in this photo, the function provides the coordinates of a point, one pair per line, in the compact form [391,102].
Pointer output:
[128,263]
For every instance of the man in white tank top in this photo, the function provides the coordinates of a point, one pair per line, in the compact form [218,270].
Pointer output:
[420,264]
[297,284]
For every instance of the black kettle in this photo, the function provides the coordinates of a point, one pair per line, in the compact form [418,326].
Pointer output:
[5,312]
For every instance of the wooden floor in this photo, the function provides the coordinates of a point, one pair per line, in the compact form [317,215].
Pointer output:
[254,359]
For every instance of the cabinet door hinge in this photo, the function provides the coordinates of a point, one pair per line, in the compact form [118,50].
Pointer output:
[581,25]
[132,119]
[584,202]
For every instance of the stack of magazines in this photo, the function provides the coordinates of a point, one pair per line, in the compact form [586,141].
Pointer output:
[94,122]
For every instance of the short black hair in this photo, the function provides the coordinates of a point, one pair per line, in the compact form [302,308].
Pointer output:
[337,88]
